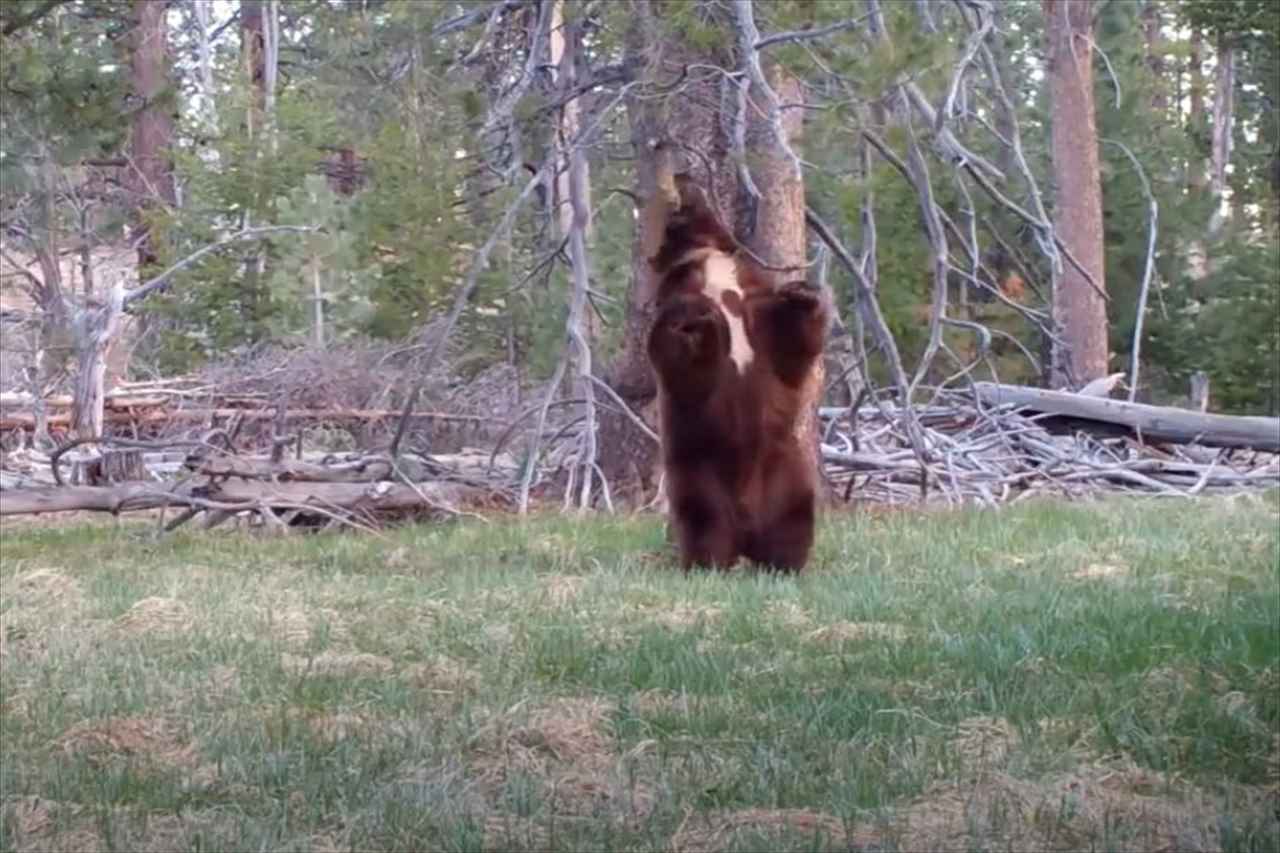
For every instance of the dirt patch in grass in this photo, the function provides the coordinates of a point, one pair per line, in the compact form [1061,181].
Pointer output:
[568,747]
[442,674]
[45,589]
[155,615]
[679,617]
[982,744]
[1101,571]
[1110,803]
[336,665]
[295,627]
[791,615]
[839,634]
[514,834]
[658,701]
[157,741]
[709,834]
[49,826]
[561,590]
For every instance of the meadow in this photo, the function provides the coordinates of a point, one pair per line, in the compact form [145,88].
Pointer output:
[1048,676]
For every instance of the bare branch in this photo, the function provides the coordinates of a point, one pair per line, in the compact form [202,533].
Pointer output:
[1153,214]
[162,280]
[815,33]
[748,36]
[475,16]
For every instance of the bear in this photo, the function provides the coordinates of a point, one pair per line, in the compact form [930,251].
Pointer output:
[731,354]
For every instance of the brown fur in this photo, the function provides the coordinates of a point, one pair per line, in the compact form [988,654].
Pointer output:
[740,483]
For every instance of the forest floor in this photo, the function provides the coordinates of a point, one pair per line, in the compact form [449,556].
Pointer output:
[1049,677]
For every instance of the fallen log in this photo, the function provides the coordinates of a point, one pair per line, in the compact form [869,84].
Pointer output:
[24,420]
[245,495]
[358,469]
[129,497]
[1150,423]
[289,470]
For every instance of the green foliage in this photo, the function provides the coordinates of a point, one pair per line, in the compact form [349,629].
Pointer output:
[1226,325]
[1232,17]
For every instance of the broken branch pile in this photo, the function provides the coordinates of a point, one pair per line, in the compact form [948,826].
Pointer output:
[1007,443]
[351,489]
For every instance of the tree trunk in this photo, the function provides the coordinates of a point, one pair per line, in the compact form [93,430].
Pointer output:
[1195,114]
[1080,311]
[779,236]
[562,59]
[1153,40]
[204,50]
[1223,116]
[253,58]
[629,458]
[149,177]
[99,325]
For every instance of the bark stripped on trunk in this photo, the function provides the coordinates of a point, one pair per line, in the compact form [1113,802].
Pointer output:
[1078,309]
[1224,78]
[1195,115]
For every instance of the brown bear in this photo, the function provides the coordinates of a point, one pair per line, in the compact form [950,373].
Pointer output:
[731,354]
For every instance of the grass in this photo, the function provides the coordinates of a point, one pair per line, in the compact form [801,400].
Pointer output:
[1049,676]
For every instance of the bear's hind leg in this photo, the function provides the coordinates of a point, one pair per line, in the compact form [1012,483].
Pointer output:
[785,537]
[704,532]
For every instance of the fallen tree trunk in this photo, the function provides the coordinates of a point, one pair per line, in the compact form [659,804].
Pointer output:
[363,469]
[245,495]
[114,499]
[1150,423]
[160,415]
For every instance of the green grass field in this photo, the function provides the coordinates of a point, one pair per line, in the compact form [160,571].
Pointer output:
[1045,677]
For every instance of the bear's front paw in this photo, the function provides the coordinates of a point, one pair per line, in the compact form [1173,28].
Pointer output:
[798,299]
[689,328]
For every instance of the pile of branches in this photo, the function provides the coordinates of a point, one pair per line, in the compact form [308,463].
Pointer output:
[206,481]
[998,444]
[355,392]
[989,445]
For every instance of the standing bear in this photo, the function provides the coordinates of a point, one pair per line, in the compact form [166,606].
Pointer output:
[732,353]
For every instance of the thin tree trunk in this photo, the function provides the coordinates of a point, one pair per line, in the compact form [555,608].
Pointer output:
[98,327]
[204,49]
[150,174]
[317,304]
[1153,40]
[562,58]
[628,457]
[1079,310]
[258,50]
[1223,117]
[1195,115]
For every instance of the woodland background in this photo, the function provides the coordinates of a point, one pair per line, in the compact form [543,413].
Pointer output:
[438,203]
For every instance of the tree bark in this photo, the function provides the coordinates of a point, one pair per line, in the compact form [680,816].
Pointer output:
[1153,41]
[1224,77]
[149,177]
[99,326]
[563,57]
[1195,115]
[1079,310]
